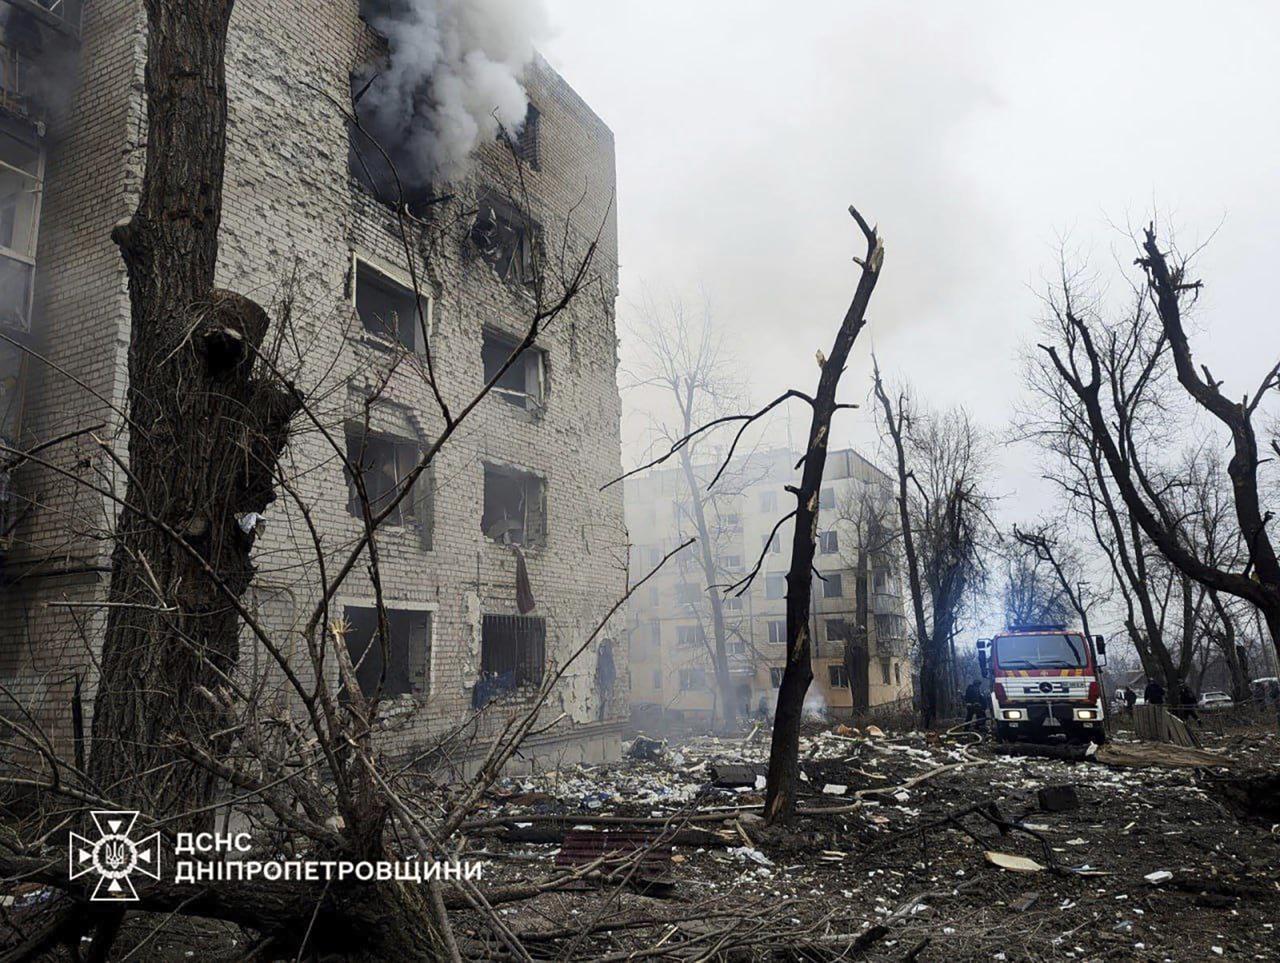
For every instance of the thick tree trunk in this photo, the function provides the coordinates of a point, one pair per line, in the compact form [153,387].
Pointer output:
[205,432]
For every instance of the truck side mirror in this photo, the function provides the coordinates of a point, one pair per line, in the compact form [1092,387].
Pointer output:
[1100,646]
[982,663]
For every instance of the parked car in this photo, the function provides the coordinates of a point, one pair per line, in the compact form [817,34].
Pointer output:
[1214,699]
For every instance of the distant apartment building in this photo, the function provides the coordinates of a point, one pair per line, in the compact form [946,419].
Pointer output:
[518,489]
[669,621]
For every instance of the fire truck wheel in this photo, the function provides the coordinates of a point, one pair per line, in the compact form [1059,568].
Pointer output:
[1004,733]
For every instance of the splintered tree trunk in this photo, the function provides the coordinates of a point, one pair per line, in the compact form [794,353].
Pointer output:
[205,432]
[784,752]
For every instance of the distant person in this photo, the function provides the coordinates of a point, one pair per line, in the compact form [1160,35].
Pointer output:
[1187,703]
[1154,694]
[1130,699]
[975,702]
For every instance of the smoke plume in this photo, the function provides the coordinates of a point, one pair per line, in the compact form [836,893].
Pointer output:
[453,75]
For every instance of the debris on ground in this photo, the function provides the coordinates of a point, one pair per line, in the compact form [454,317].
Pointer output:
[910,843]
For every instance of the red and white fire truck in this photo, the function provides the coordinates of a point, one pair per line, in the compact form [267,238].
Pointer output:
[1045,681]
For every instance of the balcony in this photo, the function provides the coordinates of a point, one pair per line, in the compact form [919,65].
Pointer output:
[886,603]
[63,15]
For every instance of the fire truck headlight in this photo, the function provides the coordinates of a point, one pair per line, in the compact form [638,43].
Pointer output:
[1087,715]
[1013,714]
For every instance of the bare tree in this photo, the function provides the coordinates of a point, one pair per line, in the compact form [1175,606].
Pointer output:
[1133,360]
[784,763]
[688,361]
[1048,575]
[1078,359]
[940,463]
[869,515]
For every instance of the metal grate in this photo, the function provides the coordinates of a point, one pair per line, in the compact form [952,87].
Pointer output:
[513,649]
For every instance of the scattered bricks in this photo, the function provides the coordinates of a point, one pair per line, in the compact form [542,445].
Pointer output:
[726,775]
[1058,799]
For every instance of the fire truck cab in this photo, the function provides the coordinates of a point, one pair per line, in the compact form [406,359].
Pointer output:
[1045,681]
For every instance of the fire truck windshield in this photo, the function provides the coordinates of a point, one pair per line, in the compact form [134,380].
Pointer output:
[1056,651]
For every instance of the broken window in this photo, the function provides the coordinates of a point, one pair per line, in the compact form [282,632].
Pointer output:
[21,183]
[398,664]
[691,635]
[515,506]
[897,673]
[838,677]
[827,498]
[833,587]
[384,463]
[775,586]
[775,676]
[522,384]
[828,543]
[513,650]
[691,679]
[372,172]
[778,632]
[390,309]
[884,670]
[837,630]
[506,238]
[526,143]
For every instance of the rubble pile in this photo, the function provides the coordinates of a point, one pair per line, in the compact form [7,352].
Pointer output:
[907,843]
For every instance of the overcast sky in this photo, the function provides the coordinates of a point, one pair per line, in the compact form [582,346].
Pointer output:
[977,135]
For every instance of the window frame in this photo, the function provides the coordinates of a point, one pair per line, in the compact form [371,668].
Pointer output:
[416,509]
[401,279]
[26,258]
[542,535]
[519,399]
[418,691]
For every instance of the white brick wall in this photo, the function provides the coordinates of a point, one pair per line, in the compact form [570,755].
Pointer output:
[291,222]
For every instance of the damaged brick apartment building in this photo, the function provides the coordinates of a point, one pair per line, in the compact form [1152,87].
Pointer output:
[859,586]
[304,221]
